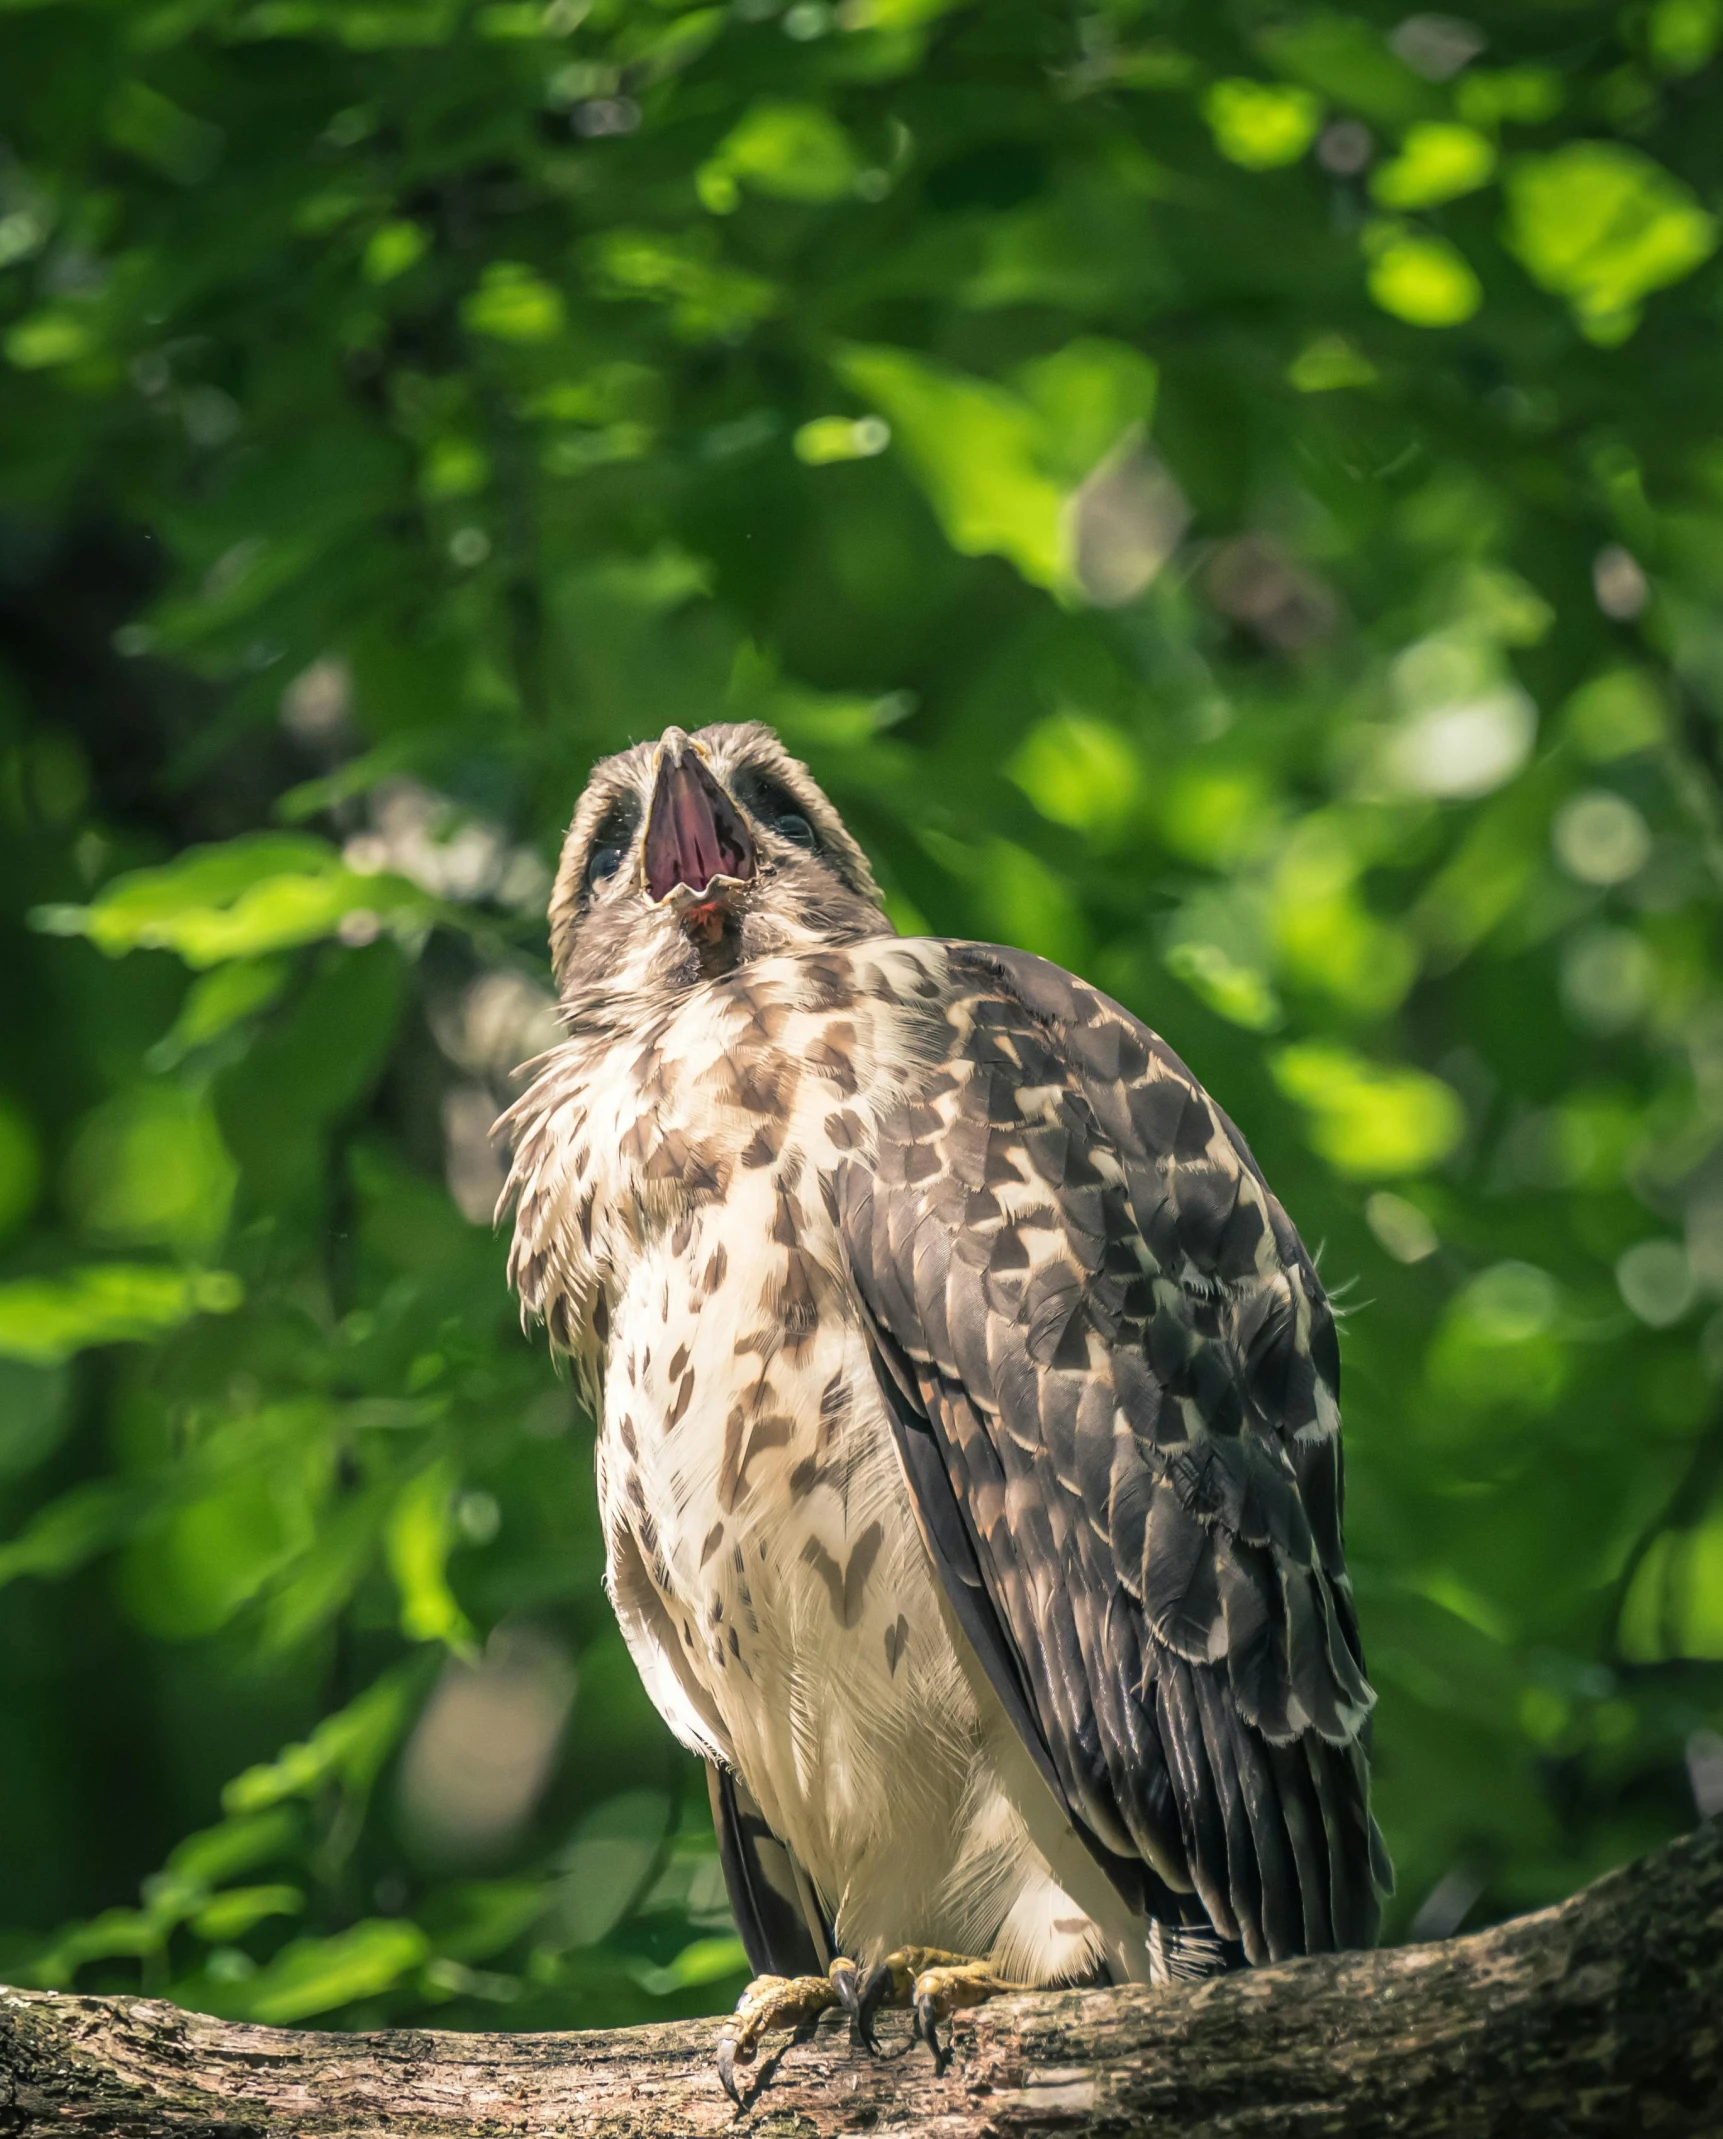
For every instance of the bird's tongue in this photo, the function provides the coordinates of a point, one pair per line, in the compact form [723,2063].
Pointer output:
[694,832]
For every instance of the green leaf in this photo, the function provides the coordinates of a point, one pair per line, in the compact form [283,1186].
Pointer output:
[1683,35]
[1603,225]
[1349,62]
[194,1565]
[834,438]
[213,1856]
[1419,278]
[706,1960]
[1369,1119]
[794,152]
[1079,771]
[48,1319]
[1239,993]
[1525,96]
[1438,161]
[392,249]
[70,1531]
[421,1532]
[53,336]
[267,891]
[1088,396]
[512,304]
[1617,714]
[230,1916]
[349,1746]
[1000,467]
[315,1975]
[975,449]
[707,297]
[114,1935]
[155,130]
[1674,1606]
[1261,125]
[216,1002]
[149,1168]
[1328,363]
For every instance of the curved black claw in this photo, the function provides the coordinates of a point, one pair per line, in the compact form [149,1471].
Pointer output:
[876,1987]
[727,2068]
[846,1981]
[927,2029]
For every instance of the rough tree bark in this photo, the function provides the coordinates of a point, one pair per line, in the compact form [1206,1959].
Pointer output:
[1602,2016]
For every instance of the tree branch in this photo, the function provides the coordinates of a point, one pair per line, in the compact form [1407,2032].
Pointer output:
[1601,2016]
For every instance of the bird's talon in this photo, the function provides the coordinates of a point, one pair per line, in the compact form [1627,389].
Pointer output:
[876,1989]
[945,1986]
[927,2030]
[727,2068]
[794,2003]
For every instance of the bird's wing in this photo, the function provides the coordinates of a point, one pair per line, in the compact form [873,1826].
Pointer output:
[782,1925]
[1114,1380]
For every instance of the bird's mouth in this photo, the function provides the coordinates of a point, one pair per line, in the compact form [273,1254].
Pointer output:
[696,855]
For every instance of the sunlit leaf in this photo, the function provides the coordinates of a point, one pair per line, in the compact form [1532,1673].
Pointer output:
[230,1916]
[47,1319]
[1079,771]
[1369,1119]
[1499,1345]
[44,339]
[1438,161]
[795,152]
[1420,278]
[392,249]
[217,1001]
[1239,993]
[975,450]
[269,892]
[421,1533]
[706,296]
[1261,125]
[999,467]
[1603,225]
[512,304]
[833,438]
[351,1745]
[1492,96]
[707,1960]
[314,1975]
[70,1531]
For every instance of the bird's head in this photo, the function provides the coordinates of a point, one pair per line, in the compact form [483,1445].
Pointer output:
[692,855]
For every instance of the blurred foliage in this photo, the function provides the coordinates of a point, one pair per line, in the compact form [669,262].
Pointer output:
[1228,496]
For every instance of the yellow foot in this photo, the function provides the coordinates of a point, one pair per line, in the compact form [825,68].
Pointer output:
[932,1984]
[769,2002]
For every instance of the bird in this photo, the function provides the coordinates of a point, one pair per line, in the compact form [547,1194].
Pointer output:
[967,1424]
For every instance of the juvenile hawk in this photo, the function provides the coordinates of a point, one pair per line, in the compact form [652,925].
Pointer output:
[968,1440]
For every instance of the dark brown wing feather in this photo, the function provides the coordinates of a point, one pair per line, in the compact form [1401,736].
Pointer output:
[783,1929]
[1114,1383]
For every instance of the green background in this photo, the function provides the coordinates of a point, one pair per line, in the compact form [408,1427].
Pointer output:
[1228,496]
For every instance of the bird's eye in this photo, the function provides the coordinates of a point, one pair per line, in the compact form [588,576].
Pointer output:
[795,827]
[604,863]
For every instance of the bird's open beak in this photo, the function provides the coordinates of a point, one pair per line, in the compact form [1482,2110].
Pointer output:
[696,852]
